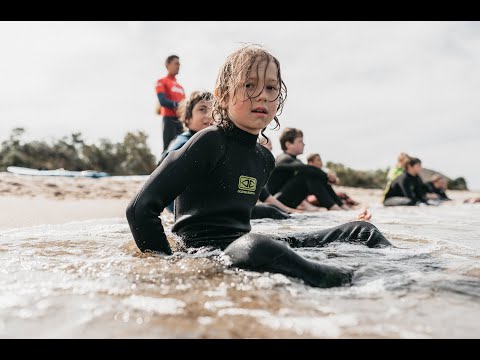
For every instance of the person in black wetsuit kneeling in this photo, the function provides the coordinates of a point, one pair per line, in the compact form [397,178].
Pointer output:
[408,188]
[218,175]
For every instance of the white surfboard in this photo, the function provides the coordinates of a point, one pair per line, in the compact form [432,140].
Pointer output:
[59,172]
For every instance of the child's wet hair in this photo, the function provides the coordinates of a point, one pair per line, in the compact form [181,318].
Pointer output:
[185,107]
[232,75]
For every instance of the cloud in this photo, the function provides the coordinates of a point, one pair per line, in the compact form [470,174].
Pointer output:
[362,92]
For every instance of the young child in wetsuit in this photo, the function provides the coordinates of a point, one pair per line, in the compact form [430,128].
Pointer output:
[195,113]
[219,173]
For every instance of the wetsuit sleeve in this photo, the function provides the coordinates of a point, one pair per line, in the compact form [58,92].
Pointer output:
[314,171]
[166,102]
[264,194]
[420,190]
[192,162]
[293,165]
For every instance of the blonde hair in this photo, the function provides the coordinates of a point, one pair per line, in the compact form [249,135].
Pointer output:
[402,160]
[232,75]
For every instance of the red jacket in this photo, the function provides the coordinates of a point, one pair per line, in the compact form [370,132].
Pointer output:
[173,92]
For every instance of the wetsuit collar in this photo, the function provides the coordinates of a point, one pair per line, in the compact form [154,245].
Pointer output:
[242,137]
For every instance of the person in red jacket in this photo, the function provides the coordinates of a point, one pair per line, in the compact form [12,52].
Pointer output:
[170,93]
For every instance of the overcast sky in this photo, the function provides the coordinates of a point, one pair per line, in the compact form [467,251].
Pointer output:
[361,91]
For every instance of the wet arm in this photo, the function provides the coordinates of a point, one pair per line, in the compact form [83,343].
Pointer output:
[172,176]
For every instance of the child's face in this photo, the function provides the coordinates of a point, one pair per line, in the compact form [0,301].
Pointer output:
[254,113]
[200,116]
[295,148]
[415,169]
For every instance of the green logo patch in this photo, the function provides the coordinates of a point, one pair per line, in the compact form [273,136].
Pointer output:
[247,185]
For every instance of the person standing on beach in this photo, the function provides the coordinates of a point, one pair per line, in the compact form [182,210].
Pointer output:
[218,175]
[170,93]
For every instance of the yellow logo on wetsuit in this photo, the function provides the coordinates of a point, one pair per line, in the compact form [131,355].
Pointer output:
[247,185]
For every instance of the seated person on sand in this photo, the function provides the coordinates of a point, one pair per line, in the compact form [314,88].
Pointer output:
[408,188]
[316,160]
[292,180]
[268,206]
[272,208]
[399,168]
[437,186]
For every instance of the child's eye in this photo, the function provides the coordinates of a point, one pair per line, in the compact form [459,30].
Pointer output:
[249,85]
[272,88]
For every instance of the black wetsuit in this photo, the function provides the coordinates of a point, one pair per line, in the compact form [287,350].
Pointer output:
[410,188]
[430,188]
[261,211]
[217,177]
[295,180]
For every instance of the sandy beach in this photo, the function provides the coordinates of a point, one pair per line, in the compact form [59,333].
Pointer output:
[30,200]
[33,200]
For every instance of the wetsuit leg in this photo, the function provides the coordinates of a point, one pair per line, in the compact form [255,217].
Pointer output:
[171,128]
[266,253]
[261,211]
[333,195]
[398,201]
[325,195]
[293,192]
[297,189]
[355,231]
[262,253]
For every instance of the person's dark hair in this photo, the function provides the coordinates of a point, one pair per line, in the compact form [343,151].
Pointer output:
[312,157]
[289,134]
[232,75]
[412,162]
[185,107]
[171,58]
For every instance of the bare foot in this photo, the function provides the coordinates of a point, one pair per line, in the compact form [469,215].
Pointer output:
[306,206]
[364,215]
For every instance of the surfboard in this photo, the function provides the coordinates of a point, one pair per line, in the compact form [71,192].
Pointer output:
[58,172]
